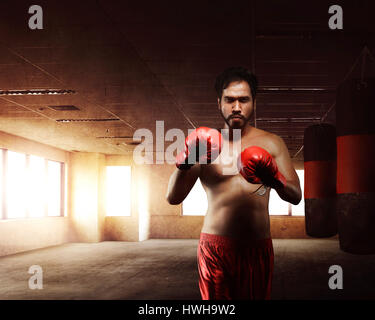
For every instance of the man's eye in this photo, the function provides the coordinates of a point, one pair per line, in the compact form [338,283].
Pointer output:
[229,100]
[243,100]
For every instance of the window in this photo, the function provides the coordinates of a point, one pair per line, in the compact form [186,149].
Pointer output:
[195,203]
[299,209]
[118,191]
[16,185]
[30,186]
[36,187]
[1,184]
[54,188]
[277,206]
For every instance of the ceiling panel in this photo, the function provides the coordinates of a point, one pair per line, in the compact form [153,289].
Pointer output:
[140,62]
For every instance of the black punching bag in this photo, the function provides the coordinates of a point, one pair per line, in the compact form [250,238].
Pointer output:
[320,180]
[355,122]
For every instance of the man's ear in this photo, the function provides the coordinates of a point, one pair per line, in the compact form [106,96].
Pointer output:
[218,103]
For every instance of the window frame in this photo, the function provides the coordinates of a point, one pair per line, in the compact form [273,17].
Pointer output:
[3,180]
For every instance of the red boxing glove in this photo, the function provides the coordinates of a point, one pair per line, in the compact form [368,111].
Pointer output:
[256,165]
[202,145]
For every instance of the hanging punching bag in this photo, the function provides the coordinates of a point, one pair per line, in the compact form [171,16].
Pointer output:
[320,180]
[355,122]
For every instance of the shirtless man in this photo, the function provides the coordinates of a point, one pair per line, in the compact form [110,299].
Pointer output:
[235,252]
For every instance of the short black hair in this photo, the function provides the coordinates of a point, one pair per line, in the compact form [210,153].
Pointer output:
[235,74]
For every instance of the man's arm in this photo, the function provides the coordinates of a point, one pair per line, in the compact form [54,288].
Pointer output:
[203,145]
[292,190]
[180,184]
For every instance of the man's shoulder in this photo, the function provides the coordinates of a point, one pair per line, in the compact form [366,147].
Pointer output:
[268,140]
[266,135]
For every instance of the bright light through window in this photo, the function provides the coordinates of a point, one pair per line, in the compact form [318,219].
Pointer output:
[195,203]
[16,185]
[36,194]
[299,210]
[1,183]
[54,188]
[32,186]
[276,205]
[118,191]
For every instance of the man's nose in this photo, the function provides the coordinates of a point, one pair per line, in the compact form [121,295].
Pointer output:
[236,106]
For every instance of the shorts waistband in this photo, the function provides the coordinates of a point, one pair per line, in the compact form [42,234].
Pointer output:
[235,242]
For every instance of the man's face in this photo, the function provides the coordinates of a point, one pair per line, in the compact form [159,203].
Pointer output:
[236,104]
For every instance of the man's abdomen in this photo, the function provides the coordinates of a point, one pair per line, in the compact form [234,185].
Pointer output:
[235,208]
[245,221]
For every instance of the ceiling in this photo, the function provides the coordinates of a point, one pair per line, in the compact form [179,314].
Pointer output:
[131,63]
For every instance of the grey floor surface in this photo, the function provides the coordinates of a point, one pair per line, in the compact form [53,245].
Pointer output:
[166,269]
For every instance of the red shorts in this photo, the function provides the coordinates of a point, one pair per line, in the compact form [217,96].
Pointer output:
[230,269]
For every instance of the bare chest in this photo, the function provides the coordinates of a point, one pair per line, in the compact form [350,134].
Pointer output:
[225,166]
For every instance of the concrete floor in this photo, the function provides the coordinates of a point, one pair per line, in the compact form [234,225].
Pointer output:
[166,269]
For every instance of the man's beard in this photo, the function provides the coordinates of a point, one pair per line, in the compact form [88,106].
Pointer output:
[245,121]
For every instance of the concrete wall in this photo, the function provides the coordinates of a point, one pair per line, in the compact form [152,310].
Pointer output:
[288,227]
[18,235]
[87,194]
